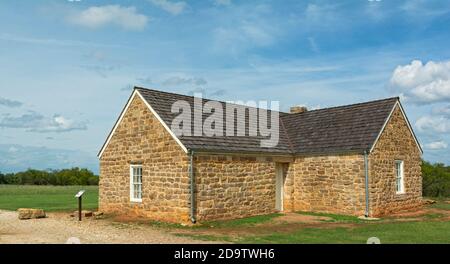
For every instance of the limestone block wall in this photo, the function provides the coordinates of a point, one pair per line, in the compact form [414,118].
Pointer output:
[233,187]
[141,139]
[329,183]
[395,143]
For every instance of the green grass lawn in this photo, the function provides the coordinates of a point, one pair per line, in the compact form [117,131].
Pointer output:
[49,198]
[431,227]
[443,206]
[414,232]
[388,233]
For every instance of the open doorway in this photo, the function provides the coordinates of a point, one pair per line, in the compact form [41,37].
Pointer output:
[281,169]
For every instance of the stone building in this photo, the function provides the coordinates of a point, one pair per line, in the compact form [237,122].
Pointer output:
[360,159]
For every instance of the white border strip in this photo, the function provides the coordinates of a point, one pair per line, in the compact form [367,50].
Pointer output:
[136,92]
[407,123]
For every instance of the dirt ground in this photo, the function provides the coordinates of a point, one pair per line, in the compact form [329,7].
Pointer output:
[57,228]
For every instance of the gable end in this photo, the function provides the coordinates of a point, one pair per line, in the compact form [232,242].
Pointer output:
[133,95]
[407,124]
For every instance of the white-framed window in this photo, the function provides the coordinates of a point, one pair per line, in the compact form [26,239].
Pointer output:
[399,176]
[136,183]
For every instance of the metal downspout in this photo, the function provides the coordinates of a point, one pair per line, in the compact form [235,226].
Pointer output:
[366,182]
[192,183]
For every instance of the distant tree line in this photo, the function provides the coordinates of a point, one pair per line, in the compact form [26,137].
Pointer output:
[73,176]
[435,180]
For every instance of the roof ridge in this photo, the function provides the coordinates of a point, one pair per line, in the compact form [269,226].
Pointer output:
[159,91]
[207,99]
[281,112]
[349,105]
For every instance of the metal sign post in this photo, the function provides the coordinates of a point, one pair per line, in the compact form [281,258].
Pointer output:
[79,195]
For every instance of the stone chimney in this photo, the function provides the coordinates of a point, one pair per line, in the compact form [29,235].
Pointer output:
[298,109]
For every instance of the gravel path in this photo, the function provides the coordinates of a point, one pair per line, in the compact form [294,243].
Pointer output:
[58,227]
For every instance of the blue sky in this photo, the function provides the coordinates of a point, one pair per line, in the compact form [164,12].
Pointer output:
[67,67]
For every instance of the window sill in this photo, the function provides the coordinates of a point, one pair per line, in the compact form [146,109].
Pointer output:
[136,200]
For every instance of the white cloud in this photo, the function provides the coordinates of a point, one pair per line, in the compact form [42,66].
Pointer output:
[9,103]
[246,27]
[433,124]
[323,16]
[101,70]
[436,145]
[59,123]
[445,111]
[242,37]
[423,83]
[182,80]
[35,122]
[52,42]
[421,9]
[313,44]
[145,80]
[174,8]
[377,11]
[99,16]
[13,149]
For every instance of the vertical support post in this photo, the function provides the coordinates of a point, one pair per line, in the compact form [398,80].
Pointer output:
[79,207]
[192,183]
[366,176]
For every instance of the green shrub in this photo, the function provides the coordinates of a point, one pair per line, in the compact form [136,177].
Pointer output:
[435,180]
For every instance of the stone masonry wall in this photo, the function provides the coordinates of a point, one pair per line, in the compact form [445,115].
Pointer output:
[330,184]
[234,187]
[395,143]
[141,139]
[229,186]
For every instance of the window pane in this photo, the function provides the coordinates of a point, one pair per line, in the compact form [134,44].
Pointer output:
[399,175]
[136,182]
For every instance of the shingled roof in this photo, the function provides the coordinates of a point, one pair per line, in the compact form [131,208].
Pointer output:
[162,103]
[349,128]
[342,129]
